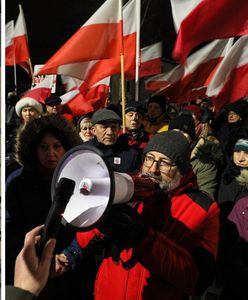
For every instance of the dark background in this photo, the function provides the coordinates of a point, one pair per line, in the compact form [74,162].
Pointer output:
[51,23]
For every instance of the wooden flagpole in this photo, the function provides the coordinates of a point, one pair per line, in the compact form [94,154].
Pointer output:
[31,70]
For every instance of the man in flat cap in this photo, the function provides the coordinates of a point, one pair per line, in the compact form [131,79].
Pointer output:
[167,243]
[106,127]
[53,105]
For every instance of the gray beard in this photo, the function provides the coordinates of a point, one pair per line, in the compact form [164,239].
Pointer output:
[165,185]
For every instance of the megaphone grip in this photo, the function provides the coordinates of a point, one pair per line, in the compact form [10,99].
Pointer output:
[63,192]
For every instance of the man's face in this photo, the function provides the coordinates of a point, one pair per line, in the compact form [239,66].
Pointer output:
[154,110]
[232,117]
[161,170]
[133,120]
[54,109]
[107,132]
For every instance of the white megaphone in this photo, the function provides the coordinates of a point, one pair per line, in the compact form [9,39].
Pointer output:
[96,189]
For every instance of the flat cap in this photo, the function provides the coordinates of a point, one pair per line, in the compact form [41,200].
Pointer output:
[105,115]
[52,100]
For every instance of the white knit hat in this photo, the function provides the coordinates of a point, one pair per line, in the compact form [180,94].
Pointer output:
[27,101]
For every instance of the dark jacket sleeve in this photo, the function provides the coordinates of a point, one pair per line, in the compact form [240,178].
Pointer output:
[14,293]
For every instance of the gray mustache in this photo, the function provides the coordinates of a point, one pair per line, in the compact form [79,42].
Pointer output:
[151,175]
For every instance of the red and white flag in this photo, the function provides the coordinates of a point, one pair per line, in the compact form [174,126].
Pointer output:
[93,71]
[20,45]
[150,62]
[42,90]
[229,83]
[70,83]
[98,38]
[88,100]
[187,83]
[198,21]
[9,43]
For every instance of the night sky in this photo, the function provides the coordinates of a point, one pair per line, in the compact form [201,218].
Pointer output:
[51,23]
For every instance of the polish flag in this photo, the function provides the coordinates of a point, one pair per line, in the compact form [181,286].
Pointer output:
[70,83]
[229,83]
[88,100]
[187,83]
[42,90]
[93,71]
[163,80]
[20,45]
[98,38]
[198,21]
[9,44]
[150,62]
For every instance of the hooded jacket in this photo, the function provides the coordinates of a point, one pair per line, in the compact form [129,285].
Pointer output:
[175,258]
[206,163]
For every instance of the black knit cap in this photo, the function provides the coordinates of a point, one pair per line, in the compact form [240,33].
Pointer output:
[237,107]
[105,115]
[52,100]
[160,100]
[174,145]
[184,123]
[134,106]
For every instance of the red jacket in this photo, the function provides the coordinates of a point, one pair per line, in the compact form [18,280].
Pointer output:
[162,265]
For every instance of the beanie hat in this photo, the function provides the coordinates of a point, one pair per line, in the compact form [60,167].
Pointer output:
[184,123]
[160,100]
[238,108]
[134,106]
[195,109]
[174,145]
[28,101]
[105,115]
[241,145]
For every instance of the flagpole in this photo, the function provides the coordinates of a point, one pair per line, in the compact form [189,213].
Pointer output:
[15,77]
[137,50]
[31,70]
[122,69]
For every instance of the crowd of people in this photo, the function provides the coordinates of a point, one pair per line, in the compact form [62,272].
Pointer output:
[188,233]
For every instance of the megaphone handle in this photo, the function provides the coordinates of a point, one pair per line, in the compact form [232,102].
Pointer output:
[52,224]
[53,220]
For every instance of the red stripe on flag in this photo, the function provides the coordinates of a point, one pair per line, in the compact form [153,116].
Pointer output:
[214,19]
[234,88]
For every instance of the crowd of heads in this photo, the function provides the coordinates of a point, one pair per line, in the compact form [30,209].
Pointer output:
[105,124]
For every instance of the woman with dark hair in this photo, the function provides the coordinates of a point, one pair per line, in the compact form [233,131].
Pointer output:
[40,144]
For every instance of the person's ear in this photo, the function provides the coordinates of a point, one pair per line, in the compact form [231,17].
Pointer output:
[93,130]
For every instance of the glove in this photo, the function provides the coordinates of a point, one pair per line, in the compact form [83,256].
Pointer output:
[125,226]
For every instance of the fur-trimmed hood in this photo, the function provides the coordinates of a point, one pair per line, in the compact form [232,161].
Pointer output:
[210,152]
[29,135]
[242,178]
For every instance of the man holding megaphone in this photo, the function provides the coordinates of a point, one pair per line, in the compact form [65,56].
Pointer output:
[164,247]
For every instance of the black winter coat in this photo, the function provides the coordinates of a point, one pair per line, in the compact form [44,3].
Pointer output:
[121,156]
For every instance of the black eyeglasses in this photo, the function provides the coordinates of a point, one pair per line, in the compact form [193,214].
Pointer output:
[164,165]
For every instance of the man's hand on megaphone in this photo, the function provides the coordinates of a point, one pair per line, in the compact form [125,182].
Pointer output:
[124,225]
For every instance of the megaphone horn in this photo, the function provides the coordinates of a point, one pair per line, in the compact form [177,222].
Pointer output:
[97,187]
